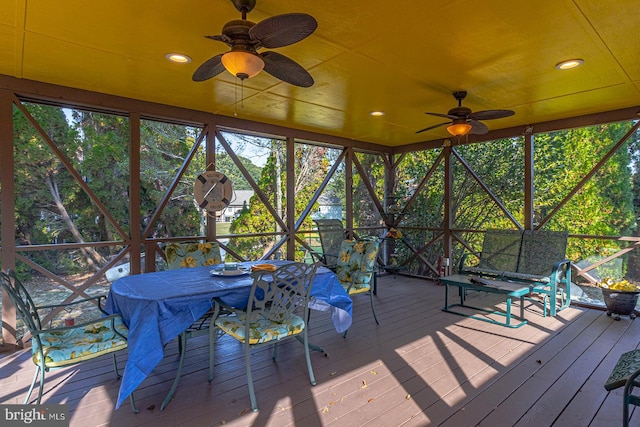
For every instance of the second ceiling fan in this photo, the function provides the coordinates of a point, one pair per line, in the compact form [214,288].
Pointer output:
[245,38]
[463,120]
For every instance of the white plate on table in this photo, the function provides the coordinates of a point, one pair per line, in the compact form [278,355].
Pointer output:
[228,273]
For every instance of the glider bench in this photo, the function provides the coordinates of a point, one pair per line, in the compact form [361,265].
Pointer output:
[536,258]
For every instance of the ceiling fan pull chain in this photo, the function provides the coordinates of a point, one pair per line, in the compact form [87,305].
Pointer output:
[235,98]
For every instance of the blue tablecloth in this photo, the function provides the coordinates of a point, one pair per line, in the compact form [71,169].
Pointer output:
[157,307]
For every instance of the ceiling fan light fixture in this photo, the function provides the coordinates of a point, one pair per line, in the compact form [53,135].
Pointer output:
[459,128]
[242,63]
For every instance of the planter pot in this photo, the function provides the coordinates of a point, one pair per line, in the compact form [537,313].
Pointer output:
[620,302]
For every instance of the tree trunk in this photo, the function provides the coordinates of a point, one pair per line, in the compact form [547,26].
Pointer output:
[94,259]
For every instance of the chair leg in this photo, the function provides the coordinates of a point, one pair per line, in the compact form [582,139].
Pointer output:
[375,283]
[212,338]
[115,366]
[373,309]
[182,345]
[252,394]
[134,408]
[212,344]
[307,354]
[33,383]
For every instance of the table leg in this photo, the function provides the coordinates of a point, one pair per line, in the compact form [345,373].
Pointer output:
[312,347]
[446,297]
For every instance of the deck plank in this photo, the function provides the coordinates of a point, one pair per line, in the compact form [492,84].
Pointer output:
[419,367]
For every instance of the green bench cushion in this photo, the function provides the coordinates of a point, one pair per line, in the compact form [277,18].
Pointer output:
[628,363]
[507,274]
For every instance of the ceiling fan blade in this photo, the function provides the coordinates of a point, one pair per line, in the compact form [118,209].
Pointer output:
[446,116]
[433,127]
[218,38]
[208,69]
[285,69]
[490,114]
[283,30]
[477,128]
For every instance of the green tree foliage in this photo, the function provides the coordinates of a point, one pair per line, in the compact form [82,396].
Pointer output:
[604,205]
[365,213]
[54,208]
[36,215]
[310,168]
[225,164]
[165,148]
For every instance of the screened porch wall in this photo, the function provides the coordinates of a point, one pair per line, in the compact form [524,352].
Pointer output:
[419,193]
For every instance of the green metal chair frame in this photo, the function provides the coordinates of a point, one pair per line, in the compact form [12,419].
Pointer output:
[42,352]
[188,255]
[357,274]
[625,374]
[269,316]
[332,233]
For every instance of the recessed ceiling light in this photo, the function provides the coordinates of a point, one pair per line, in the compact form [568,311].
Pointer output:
[571,63]
[376,113]
[178,57]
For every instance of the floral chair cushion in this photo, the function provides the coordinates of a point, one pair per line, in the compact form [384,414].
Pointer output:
[67,346]
[187,255]
[261,329]
[355,264]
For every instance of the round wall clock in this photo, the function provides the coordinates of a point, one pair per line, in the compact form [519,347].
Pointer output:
[212,191]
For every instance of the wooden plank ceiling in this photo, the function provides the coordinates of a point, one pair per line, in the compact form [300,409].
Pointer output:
[402,58]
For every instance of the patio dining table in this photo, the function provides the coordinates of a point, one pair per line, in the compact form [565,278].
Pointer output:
[157,307]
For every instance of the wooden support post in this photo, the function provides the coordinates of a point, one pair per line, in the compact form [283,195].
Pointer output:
[134,196]
[348,175]
[291,198]
[7,200]
[210,155]
[448,205]
[528,179]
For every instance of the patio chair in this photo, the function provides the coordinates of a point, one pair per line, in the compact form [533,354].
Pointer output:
[58,347]
[625,374]
[332,233]
[355,268]
[192,254]
[189,255]
[269,316]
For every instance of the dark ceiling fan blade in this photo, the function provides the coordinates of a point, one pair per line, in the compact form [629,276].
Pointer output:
[283,30]
[477,128]
[285,69]
[433,127]
[218,38]
[490,114]
[208,69]
[446,116]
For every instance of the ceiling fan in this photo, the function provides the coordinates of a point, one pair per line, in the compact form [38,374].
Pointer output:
[245,38]
[464,121]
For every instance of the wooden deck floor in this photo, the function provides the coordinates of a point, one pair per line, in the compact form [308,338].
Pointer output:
[419,367]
